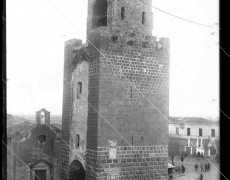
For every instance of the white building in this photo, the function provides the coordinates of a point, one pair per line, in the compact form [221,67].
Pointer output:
[201,134]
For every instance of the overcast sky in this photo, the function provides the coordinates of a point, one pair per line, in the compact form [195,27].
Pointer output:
[37,30]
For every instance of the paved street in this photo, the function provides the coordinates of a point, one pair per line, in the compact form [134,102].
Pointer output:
[189,163]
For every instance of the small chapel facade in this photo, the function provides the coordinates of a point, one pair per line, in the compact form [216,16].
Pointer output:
[34,149]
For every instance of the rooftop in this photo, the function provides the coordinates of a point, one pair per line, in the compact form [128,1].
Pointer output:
[192,120]
[20,131]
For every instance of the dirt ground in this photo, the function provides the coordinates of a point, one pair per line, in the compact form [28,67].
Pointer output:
[190,173]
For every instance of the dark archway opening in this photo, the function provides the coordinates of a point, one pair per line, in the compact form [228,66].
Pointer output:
[99,13]
[77,171]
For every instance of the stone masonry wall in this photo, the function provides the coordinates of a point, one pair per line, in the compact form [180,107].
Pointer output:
[120,103]
[79,115]
[127,47]
[78,127]
[134,163]
[146,67]
[67,105]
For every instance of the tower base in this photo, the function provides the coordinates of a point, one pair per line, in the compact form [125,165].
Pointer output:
[134,163]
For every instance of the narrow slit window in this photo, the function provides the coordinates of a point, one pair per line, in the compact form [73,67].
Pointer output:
[122,13]
[188,131]
[143,17]
[79,89]
[131,93]
[77,141]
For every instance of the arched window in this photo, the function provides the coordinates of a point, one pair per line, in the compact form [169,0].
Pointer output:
[99,13]
[77,143]
[122,13]
[143,17]
[79,89]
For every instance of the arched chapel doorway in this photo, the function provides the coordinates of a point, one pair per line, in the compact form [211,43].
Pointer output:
[77,171]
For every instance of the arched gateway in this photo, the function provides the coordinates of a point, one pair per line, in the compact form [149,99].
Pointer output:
[77,171]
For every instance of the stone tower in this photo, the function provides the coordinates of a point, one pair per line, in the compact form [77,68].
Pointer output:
[116,95]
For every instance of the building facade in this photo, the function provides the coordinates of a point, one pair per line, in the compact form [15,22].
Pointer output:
[197,135]
[104,83]
[33,145]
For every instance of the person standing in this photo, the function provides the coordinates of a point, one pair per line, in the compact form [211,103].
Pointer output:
[208,167]
[182,158]
[201,167]
[205,167]
[201,176]
[183,168]
[196,166]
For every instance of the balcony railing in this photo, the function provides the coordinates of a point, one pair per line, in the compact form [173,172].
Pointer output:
[192,136]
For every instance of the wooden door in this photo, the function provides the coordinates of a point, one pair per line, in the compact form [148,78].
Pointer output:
[188,150]
[40,174]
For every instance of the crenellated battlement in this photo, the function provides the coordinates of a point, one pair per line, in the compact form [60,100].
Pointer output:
[105,40]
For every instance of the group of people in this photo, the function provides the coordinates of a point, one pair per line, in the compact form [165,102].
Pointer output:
[203,168]
[180,169]
[200,154]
